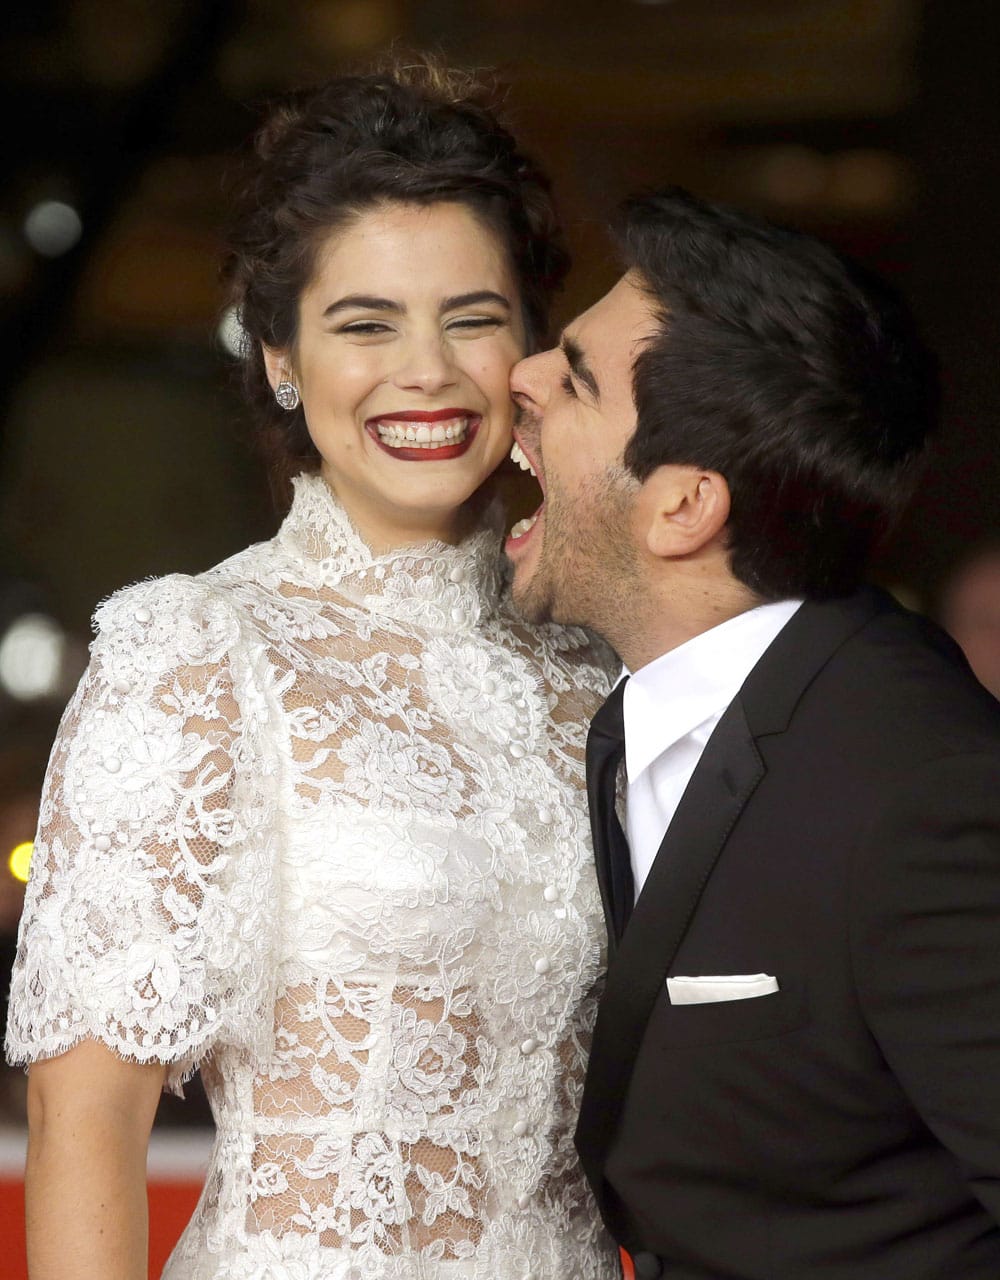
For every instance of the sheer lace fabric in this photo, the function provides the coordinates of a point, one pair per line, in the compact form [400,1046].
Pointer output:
[315,821]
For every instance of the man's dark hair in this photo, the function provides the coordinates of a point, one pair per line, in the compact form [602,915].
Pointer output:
[791,371]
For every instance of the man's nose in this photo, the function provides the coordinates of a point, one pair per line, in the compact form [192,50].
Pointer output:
[527,381]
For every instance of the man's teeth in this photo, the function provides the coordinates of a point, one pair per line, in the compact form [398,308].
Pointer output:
[422,435]
[522,526]
[518,455]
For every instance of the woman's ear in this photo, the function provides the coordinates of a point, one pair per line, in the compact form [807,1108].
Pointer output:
[278,366]
[684,509]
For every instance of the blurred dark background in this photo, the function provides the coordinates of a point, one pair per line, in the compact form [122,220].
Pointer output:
[122,447]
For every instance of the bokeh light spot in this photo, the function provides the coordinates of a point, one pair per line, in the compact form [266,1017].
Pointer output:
[52,228]
[31,657]
[231,334]
[20,861]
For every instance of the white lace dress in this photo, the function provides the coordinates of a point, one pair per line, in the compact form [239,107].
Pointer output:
[315,821]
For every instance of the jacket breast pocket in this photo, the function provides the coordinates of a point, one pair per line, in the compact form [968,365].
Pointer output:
[729,1021]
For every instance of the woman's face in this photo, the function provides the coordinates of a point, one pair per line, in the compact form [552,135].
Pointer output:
[407,334]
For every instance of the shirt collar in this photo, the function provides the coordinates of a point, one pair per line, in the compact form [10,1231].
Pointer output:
[672,695]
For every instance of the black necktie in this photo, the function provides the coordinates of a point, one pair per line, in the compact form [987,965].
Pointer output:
[605,751]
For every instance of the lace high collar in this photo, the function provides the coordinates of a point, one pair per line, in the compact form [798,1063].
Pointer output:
[431,584]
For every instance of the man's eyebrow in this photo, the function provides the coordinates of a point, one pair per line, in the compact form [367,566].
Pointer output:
[364,302]
[473,299]
[578,366]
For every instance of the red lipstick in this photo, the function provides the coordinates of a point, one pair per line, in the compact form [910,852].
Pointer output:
[409,453]
[424,415]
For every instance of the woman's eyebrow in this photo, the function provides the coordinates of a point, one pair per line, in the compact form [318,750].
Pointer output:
[473,299]
[368,302]
[365,302]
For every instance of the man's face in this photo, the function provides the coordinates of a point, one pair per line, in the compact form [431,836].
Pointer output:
[578,561]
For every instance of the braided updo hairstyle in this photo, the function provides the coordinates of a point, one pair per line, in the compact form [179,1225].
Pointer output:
[415,134]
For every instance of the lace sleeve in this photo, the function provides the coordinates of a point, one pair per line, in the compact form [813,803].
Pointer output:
[146,921]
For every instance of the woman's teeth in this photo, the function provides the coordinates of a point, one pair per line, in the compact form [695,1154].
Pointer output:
[422,435]
[518,455]
[522,526]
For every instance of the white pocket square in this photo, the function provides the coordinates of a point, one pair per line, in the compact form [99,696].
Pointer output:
[737,986]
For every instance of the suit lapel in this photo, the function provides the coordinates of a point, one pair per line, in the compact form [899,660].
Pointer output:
[723,782]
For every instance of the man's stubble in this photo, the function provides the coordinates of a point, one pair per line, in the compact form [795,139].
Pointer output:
[588,569]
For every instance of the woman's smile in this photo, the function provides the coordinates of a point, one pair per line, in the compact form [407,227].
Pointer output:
[415,435]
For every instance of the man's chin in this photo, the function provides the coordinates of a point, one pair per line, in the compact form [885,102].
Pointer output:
[529,600]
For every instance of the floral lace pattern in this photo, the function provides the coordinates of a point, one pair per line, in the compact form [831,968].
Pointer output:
[314,822]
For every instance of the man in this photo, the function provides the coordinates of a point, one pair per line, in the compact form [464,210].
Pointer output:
[795,1071]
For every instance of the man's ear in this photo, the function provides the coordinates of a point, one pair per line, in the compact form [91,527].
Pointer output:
[683,509]
[278,366]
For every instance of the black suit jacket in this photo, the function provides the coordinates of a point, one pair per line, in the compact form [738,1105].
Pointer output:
[842,833]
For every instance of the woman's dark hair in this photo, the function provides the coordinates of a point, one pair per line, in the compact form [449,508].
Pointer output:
[788,369]
[416,134]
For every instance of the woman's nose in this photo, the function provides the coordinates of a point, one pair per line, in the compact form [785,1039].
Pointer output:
[427,366]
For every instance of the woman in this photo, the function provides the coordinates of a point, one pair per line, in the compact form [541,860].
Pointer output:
[314,821]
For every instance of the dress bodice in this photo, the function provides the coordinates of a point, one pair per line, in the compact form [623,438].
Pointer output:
[315,821]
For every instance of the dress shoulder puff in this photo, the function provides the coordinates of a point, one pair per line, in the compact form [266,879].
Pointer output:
[148,920]
[175,620]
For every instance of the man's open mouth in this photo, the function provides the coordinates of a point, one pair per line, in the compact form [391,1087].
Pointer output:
[523,527]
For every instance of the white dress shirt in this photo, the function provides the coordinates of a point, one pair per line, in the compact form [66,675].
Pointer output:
[671,707]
